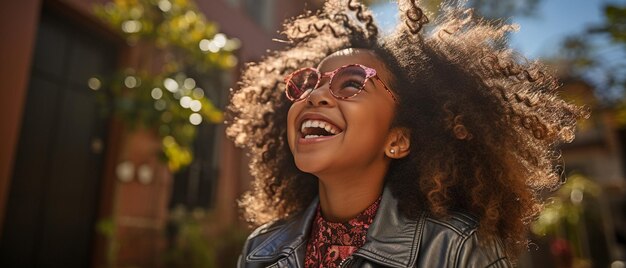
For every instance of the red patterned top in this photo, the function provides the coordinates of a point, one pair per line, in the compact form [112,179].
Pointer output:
[332,242]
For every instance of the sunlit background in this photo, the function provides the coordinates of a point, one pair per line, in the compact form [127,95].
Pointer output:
[112,145]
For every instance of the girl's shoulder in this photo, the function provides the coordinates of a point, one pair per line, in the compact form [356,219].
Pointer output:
[461,222]
[266,228]
[456,237]
[277,239]
[267,243]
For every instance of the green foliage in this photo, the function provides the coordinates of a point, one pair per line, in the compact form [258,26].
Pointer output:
[566,210]
[195,245]
[168,102]
[175,24]
[106,227]
[596,55]
[566,207]
[615,27]
[171,105]
[616,22]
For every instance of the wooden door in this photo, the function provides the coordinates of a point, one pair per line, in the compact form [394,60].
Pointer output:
[53,200]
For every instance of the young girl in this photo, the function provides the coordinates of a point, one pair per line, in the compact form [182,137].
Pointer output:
[413,149]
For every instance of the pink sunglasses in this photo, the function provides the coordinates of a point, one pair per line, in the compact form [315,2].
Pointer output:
[345,82]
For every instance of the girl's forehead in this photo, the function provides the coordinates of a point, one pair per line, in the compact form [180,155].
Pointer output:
[350,56]
[355,55]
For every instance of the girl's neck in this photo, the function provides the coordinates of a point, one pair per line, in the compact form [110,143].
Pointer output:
[343,198]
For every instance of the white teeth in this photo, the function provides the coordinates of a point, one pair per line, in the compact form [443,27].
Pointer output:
[311,136]
[329,129]
[321,124]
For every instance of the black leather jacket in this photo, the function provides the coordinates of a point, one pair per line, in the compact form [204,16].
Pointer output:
[392,241]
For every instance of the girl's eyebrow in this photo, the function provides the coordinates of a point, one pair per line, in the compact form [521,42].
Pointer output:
[352,71]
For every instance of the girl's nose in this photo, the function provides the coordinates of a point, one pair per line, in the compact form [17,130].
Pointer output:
[321,97]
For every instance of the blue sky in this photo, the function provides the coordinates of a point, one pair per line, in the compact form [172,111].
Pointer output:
[541,34]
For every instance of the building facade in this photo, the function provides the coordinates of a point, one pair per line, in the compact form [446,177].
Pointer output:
[62,197]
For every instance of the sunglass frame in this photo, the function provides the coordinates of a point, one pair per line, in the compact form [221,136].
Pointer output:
[369,73]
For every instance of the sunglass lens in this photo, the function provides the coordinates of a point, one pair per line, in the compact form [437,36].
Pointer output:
[301,83]
[348,81]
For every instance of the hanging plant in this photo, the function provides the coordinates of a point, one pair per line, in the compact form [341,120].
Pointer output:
[168,100]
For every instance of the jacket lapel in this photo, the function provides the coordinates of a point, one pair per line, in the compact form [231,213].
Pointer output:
[391,234]
[288,240]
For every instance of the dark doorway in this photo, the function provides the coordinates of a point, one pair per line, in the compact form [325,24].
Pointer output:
[53,200]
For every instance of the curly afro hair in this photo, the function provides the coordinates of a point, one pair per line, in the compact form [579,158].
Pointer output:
[484,121]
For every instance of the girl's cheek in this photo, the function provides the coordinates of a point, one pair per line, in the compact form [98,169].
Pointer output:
[292,114]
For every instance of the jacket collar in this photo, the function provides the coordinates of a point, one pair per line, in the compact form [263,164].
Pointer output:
[388,237]
[286,238]
[391,234]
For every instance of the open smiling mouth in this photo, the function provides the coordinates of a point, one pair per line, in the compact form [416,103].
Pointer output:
[311,129]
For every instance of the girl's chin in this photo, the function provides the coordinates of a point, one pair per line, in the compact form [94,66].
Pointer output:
[313,168]
[308,169]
